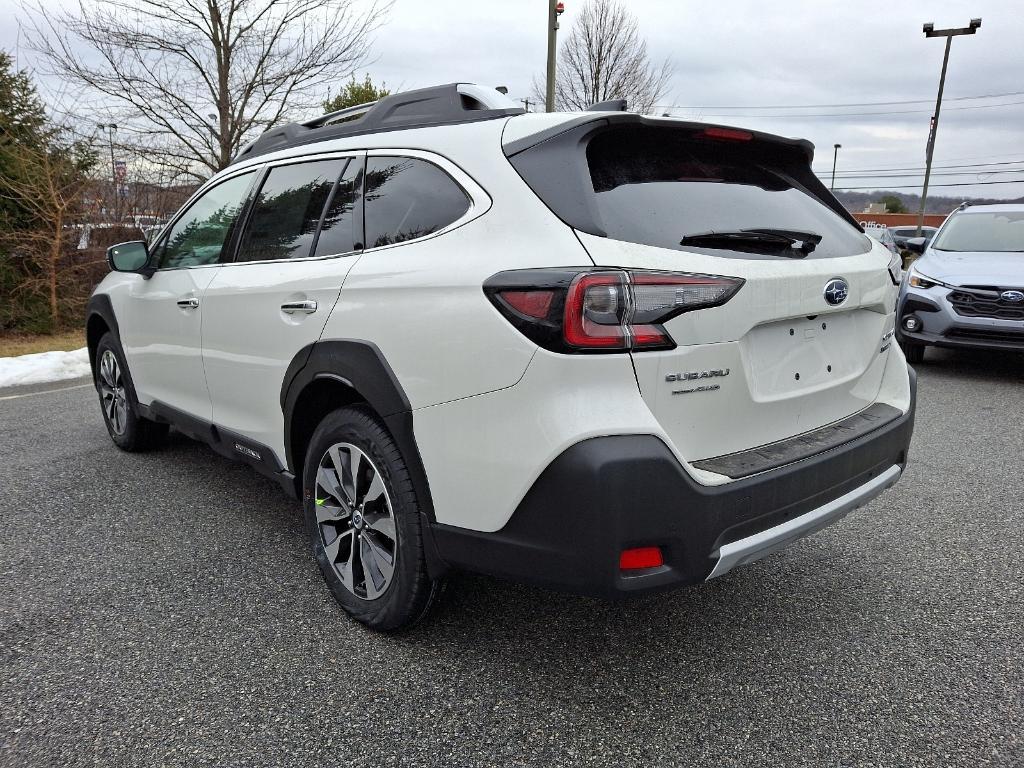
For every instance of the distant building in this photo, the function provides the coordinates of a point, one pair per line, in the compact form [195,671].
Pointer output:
[897,219]
[875,208]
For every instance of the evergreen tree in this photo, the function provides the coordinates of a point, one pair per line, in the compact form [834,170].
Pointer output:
[23,123]
[354,93]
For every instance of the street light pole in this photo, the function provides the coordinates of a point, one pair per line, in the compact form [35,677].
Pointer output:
[555,10]
[949,34]
[835,157]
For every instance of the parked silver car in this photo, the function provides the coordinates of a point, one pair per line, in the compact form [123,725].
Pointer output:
[967,289]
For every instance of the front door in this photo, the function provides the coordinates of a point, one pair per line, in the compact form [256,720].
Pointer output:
[295,250]
[161,333]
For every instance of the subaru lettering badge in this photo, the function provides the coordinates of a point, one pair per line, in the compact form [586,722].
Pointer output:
[1014,297]
[836,291]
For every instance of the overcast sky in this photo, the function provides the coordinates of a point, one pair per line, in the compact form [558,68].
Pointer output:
[734,56]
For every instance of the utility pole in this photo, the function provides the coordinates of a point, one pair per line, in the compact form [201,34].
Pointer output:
[835,156]
[111,129]
[526,103]
[555,9]
[949,34]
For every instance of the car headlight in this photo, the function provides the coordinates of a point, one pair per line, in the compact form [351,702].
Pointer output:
[917,280]
[896,268]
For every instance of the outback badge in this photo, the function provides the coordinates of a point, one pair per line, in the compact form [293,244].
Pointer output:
[695,376]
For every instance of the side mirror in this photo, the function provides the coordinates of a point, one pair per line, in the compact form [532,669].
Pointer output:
[130,257]
[916,244]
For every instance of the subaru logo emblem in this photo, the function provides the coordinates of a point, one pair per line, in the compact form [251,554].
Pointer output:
[836,291]
[1014,297]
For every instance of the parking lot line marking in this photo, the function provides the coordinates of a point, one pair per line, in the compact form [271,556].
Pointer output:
[45,392]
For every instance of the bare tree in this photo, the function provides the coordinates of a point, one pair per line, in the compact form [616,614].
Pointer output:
[604,57]
[195,79]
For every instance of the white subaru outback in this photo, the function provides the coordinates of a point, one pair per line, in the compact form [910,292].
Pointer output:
[601,352]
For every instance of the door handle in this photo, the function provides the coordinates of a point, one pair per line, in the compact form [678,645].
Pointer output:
[299,307]
[190,303]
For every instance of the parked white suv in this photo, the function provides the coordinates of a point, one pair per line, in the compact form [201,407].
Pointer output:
[601,352]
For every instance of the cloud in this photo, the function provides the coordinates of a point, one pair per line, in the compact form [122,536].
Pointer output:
[747,53]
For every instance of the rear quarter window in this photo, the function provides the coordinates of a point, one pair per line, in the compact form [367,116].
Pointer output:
[405,198]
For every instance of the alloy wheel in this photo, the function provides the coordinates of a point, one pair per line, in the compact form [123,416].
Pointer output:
[355,521]
[112,393]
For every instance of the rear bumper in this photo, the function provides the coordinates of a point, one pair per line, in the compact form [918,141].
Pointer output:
[756,546]
[607,494]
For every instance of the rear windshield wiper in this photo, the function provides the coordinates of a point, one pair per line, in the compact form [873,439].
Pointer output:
[761,238]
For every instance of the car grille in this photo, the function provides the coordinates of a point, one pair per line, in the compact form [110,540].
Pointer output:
[988,334]
[984,301]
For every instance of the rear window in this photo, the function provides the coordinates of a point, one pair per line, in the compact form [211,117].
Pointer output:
[655,186]
[1001,232]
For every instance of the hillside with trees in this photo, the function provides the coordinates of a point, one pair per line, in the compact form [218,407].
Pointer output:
[857,201]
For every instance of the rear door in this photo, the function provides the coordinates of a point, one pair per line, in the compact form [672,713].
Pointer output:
[299,241]
[802,343]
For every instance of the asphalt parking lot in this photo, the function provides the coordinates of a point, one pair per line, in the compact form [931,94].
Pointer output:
[161,609]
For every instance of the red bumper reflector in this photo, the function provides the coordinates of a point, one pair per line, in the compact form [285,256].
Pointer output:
[640,557]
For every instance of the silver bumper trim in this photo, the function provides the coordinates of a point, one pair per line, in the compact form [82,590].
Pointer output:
[764,543]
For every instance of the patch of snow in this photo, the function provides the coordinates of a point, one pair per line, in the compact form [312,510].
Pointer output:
[44,366]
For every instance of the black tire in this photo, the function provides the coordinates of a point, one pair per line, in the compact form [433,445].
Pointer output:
[913,352]
[345,512]
[129,431]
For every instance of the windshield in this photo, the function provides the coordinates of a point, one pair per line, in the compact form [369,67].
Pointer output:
[1002,232]
[656,187]
[879,234]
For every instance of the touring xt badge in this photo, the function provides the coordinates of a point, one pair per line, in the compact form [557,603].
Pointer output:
[695,376]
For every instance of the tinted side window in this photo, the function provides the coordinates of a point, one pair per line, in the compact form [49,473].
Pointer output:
[405,198]
[337,233]
[287,210]
[198,237]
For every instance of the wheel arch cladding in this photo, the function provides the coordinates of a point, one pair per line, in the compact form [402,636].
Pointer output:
[327,375]
[100,319]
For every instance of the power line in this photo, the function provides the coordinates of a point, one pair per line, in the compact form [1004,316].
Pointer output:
[801,116]
[918,186]
[921,167]
[824,106]
[921,173]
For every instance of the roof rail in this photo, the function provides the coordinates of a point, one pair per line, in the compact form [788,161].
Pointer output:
[439,105]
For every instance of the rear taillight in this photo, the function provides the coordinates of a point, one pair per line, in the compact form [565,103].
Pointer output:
[603,310]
